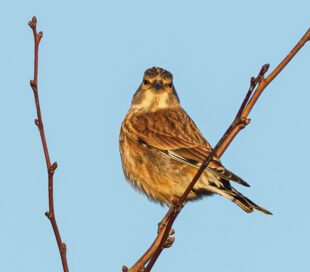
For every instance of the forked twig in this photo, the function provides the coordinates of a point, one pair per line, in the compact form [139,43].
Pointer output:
[240,121]
[50,167]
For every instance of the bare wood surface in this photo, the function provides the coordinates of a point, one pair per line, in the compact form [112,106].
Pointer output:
[50,167]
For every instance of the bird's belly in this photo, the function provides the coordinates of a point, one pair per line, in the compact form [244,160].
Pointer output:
[156,175]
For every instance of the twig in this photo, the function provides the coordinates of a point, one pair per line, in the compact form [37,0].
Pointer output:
[239,123]
[50,167]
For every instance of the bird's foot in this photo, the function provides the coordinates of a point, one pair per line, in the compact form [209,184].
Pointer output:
[170,239]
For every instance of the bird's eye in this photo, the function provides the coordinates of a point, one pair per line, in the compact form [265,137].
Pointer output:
[170,85]
[145,82]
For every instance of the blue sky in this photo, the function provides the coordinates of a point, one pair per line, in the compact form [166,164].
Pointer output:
[92,58]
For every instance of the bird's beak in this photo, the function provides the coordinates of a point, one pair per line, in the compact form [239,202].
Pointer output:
[157,85]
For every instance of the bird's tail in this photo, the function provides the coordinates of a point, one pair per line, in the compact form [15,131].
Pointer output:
[243,202]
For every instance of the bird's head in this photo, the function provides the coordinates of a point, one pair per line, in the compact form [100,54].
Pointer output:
[156,91]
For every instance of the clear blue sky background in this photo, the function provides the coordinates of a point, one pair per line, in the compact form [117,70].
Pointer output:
[92,58]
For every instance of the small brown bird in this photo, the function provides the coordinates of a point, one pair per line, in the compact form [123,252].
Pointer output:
[161,148]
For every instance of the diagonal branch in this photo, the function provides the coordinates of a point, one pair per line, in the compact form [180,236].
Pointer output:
[50,167]
[239,123]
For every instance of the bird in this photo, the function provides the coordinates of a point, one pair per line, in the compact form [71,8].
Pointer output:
[161,148]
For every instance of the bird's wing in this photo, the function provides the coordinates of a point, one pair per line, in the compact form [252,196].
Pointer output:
[173,133]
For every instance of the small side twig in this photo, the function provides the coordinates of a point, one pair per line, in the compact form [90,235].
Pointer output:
[240,121]
[50,167]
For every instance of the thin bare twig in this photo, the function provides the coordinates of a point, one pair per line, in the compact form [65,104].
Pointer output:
[239,123]
[50,167]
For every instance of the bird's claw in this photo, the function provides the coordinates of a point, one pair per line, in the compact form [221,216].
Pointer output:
[170,239]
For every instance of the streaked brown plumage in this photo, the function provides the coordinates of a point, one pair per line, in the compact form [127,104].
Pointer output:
[161,148]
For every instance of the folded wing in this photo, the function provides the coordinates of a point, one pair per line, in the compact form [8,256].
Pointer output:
[174,134]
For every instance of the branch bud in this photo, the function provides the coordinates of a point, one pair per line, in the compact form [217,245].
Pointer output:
[264,69]
[40,35]
[244,122]
[47,214]
[33,22]
[253,79]
[54,166]
[32,83]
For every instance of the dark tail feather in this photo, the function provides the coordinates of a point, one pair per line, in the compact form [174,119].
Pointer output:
[228,175]
[259,208]
[243,202]
[241,198]
[239,180]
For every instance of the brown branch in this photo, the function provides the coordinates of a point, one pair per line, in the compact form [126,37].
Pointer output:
[50,167]
[239,123]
